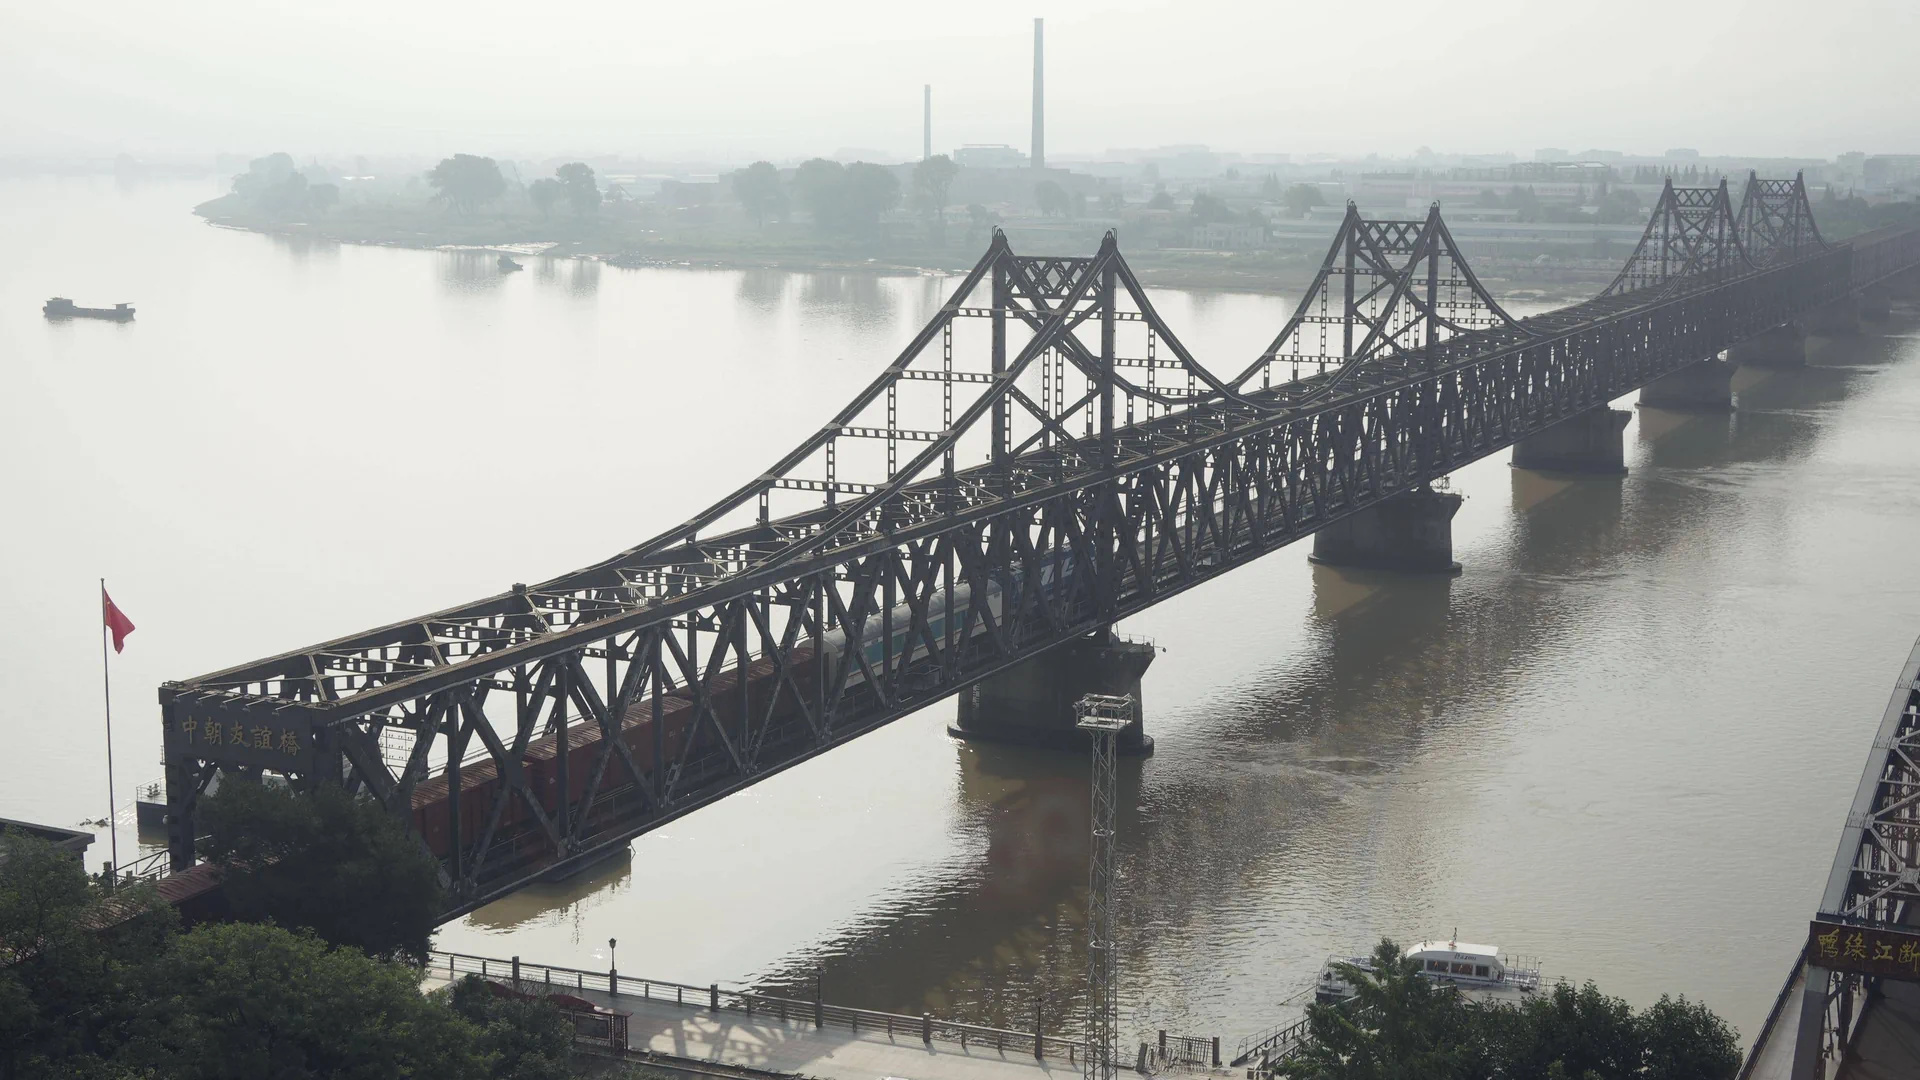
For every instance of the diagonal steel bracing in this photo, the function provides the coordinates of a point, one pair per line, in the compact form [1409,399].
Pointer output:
[1043,458]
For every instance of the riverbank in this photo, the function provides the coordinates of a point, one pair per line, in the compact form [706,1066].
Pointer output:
[634,245]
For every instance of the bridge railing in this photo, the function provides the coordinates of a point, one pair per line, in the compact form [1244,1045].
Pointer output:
[715,998]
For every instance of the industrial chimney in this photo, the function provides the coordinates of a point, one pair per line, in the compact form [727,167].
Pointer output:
[1039,95]
[926,123]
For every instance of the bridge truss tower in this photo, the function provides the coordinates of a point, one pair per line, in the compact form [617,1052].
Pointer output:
[1102,716]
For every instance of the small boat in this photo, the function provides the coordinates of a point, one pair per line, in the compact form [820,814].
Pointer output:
[1478,971]
[507,265]
[62,308]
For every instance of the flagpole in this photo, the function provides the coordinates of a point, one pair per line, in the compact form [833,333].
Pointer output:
[106,683]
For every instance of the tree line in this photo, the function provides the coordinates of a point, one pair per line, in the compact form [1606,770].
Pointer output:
[1401,1025]
[317,979]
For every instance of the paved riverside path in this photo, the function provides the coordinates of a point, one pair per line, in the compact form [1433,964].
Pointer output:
[767,1043]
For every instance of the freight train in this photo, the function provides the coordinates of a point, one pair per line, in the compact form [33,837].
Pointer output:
[481,783]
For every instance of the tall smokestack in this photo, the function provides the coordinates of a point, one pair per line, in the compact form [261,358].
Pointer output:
[926,123]
[1039,95]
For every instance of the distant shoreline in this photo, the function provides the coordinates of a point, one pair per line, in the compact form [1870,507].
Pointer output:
[1239,272]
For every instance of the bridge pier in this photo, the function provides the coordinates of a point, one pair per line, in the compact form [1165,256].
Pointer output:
[1780,347]
[1703,387]
[1032,702]
[1410,532]
[1838,319]
[1589,442]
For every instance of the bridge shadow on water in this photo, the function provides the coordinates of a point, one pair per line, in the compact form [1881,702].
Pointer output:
[1267,789]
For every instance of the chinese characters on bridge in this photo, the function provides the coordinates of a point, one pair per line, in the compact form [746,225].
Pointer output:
[1870,950]
[281,745]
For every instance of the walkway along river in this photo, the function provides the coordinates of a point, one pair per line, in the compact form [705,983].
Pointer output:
[1619,740]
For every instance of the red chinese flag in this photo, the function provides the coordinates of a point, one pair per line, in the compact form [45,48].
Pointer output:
[117,622]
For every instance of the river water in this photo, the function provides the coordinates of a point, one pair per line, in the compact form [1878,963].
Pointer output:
[1623,740]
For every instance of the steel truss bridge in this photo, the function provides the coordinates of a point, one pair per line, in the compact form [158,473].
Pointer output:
[1045,457]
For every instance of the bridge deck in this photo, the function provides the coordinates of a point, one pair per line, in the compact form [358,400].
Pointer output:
[792,1047]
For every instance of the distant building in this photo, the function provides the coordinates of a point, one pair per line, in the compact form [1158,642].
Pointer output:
[989,156]
[1683,154]
[1551,153]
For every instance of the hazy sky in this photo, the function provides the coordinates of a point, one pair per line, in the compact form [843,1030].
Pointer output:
[782,78]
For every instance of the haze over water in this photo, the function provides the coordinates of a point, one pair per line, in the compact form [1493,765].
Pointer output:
[1624,739]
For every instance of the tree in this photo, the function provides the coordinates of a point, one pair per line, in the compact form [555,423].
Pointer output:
[935,176]
[818,185]
[1684,1040]
[1398,1024]
[1160,201]
[871,191]
[1301,198]
[758,188]
[326,861]
[61,991]
[1052,198]
[466,182]
[582,192]
[1207,209]
[544,193]
[1270,188]
[237,1001]
[1583,1031]
[323,197]
[527,1040]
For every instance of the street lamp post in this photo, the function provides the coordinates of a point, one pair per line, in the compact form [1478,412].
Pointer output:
[613,969]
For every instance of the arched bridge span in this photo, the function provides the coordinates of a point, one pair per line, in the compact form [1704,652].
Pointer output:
[1045,457]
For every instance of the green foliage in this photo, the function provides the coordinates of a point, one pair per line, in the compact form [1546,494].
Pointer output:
[758,188]
[337,865]
[1270,188]
[935,176]
[1052,198]
[544,193]
[845,200]
[1160,201]
[466,182]
[577,183]
[67,948]
[1208,209]
[102,986]
[526,1040]
[1618,207]
[1399,1024]
[1300,198]
[1684,1040]
[1840,217]
[1402,1026]
[240,1001]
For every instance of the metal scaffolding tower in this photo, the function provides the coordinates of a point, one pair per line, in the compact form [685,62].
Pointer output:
[1101,716]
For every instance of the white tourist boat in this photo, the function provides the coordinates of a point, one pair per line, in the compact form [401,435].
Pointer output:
[1478,971]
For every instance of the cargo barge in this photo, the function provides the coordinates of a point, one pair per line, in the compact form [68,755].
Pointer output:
[62,308]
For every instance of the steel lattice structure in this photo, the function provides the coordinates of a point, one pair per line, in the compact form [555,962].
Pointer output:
[1875,880]
[1103,717]
[1044,458]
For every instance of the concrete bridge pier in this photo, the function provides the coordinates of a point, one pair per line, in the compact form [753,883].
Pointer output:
[1589,442]
[1410,532]
[1703,387]
[1876,305]
[1032,702]
[1781,347]
[1838,319]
